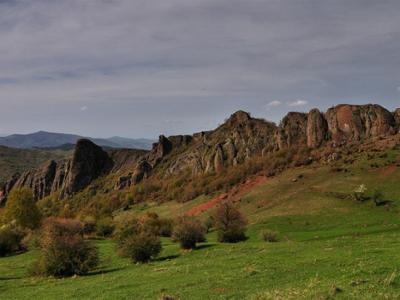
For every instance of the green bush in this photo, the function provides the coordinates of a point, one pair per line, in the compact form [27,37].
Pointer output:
[230,223]
[159,226]
[21,208]
[142,247]
[126,227]
[188,231]
[64,251]
[138,239]
[11,238]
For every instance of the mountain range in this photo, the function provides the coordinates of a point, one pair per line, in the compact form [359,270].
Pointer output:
[52,140]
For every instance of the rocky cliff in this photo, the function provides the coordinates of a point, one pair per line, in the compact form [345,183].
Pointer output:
[358,122]
[238,139]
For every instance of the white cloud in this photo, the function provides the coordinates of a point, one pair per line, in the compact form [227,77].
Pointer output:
[274,103]
[398,88]
[298,102]
[84,108]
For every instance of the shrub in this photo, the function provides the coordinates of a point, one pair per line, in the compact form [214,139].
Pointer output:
[142,247]
[125,228]
[64,252]
[104,227]
[138,239]
[11,238]
[22,209]
[50,205]
[159,226]
[269,236]
[188,231]
[230,223]
[89,224]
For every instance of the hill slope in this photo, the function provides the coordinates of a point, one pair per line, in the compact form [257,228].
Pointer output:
[330,246]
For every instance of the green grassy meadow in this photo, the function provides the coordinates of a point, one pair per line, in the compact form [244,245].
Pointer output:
[330,247]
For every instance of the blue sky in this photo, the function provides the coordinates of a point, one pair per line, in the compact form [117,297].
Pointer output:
[140,68]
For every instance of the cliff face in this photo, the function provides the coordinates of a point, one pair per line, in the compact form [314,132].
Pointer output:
[317,129]
[238,139]
[292,130]
[355,122]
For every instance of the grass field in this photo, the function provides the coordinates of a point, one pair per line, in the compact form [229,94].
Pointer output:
[330,247]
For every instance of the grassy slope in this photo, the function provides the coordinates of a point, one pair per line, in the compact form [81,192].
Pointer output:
[19,160]
[329,248]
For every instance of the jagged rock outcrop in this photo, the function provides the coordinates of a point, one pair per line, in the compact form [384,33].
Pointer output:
[7,188]
[358,122]
[66,177]
[292,130]
[240,138]
[317,129]
[142,171]
[88,162]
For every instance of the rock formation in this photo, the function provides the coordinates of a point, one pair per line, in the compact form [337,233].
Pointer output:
[317,129]
[69,176]
[234,142]
[358,122]
[292,130]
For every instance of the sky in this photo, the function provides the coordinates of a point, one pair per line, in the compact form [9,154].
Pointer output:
[140,68]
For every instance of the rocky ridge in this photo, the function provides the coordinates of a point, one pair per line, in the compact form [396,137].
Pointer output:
[238,139]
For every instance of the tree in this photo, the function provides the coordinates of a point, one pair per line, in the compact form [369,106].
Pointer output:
[22,209]
[230,223]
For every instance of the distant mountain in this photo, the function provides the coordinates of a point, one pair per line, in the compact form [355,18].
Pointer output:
[51,140]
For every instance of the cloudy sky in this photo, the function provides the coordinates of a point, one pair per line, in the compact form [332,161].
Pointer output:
[138,68]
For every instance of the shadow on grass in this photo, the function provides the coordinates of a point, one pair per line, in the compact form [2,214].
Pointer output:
[205,246]
[99,272]
[169,257]
[10,278]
